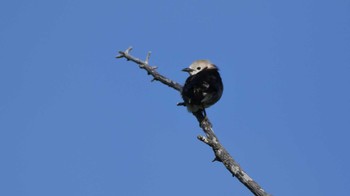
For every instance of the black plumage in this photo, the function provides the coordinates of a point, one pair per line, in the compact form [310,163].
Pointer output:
[203,87]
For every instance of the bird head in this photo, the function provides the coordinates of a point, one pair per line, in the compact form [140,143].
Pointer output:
[199,66]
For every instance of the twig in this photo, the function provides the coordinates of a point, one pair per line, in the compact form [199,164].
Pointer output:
[151,70]
[210,139]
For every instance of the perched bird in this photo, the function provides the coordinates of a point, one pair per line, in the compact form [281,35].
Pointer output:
[203,87]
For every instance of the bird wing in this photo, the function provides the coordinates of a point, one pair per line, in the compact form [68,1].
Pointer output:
[202,87]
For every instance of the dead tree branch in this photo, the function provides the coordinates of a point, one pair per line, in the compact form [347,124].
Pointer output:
[151,70]
[210,139]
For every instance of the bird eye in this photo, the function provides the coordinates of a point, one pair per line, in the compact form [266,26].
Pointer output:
[198,68]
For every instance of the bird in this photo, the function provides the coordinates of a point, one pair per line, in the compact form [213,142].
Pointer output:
[203,88]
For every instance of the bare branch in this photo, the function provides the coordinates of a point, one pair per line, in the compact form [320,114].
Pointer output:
[223,156]
[151,70]
[210,139]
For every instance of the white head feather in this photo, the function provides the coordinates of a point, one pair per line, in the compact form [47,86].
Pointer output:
[199,65]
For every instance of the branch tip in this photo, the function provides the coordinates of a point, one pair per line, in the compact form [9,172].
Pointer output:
[203,139]
[148,56]
[120,55]
[216,159]
[128,50]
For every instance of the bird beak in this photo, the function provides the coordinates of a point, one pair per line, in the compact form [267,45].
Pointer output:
[187,70]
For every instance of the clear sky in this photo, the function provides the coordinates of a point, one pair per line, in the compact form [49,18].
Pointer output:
[76,121]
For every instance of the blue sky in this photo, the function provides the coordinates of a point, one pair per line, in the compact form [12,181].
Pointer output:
[76,121]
